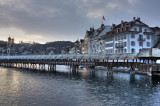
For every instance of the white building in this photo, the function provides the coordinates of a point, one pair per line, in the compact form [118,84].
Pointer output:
[129,37]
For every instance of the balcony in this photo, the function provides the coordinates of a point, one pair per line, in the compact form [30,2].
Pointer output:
[119,45]
[141,39]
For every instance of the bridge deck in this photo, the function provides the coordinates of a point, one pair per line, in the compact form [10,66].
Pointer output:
[140,61]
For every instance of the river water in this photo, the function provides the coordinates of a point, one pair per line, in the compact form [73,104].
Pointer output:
[22,87]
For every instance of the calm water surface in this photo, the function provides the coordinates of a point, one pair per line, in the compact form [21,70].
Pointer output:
[21,87]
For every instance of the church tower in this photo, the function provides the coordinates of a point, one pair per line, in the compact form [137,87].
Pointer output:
[10,48]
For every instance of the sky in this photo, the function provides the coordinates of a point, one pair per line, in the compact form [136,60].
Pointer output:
[67,20]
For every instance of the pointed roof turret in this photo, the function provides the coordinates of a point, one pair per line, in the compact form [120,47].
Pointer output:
[9,38]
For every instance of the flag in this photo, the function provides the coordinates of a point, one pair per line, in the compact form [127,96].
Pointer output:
[103,18]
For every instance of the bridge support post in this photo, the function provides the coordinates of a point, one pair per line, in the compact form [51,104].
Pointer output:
[42,67]
[35,66]
[109,70]
[53,67]
[74,69]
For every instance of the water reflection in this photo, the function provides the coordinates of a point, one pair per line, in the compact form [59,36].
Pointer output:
[87,87]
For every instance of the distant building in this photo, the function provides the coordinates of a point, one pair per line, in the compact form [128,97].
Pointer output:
[3,47]
[10,46]
[2,51]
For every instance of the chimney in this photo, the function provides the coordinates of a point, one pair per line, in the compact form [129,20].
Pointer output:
[113,25]
[139,18]
[134,18]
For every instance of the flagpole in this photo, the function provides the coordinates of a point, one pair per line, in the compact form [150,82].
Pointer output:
[103,19]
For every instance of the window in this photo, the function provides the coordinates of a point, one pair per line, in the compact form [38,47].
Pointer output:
[140,43]
[124,36]
[116,38]
[132,36]
[135,29]
[124,43]
[116,44]
[125,50]
[140,36]
[132,43]
[121,50]
[133,50]
[121,37]
[116,51]
[148,44]
[148,37]
[145,30]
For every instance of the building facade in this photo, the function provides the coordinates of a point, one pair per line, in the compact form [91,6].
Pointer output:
[93,41]
[129,37]
[126,37]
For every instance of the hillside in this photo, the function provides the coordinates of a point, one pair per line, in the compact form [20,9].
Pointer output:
[47,48]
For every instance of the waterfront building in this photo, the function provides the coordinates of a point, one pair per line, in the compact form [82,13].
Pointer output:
[86,49]
[77,48]
[156,37]
[81,46]
[95,46]
[126,37]
[129,37]
[93,41]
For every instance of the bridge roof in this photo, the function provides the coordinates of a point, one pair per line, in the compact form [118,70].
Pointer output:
[149,52]
[74,56]
[121,56]
[144,53]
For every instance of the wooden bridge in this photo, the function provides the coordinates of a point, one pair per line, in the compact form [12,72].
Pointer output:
[144,61]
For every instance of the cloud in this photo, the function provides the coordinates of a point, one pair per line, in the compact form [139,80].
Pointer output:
[132,2]
[113,5]
[66,19]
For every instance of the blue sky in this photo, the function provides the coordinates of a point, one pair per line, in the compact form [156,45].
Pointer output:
[52,20]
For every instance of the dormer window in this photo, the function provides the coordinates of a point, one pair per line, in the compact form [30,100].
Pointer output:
[145,30]
[135,29]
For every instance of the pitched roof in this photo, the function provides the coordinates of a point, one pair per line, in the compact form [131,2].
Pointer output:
[124,26]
